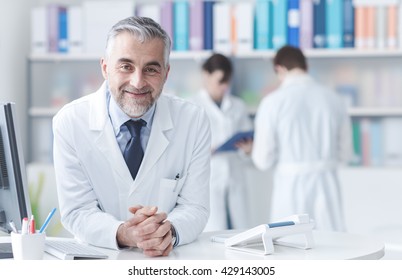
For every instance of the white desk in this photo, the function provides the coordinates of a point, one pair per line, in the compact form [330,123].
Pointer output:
[328,246]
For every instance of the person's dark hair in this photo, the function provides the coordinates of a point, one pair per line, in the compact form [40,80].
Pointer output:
[219,62]
[290,58]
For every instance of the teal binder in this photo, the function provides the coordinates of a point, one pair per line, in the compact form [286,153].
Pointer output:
[280,23]
[334,23]
[263,25]
[181,25]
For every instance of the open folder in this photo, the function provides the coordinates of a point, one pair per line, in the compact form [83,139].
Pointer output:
[230,144]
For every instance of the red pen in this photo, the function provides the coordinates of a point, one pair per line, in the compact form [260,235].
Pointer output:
[32,225]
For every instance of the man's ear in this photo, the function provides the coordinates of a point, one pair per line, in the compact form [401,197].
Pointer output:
[103,64]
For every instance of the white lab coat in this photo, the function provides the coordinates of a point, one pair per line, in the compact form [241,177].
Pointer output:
[303,130]
[228,193]
[95,187]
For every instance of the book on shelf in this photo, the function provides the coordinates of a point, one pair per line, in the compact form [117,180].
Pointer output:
[181,22]
[293,20]
[263,25]
[167,18]
[392,26]
[319,24]
[243,19]
[280,23]
[222,27]
[99,17]
[196,25]
[150,10]
[334,23]
[39,35]
[208,25]
[74,29]
[306,24]
[348,35]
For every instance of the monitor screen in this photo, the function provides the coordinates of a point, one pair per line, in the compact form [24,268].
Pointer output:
[14,199]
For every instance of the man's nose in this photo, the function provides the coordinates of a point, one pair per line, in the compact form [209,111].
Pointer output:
[137,79]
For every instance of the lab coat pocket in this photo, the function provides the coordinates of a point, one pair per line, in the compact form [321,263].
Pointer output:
[168,193]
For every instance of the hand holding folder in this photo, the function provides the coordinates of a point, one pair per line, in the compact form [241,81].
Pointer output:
[230,144]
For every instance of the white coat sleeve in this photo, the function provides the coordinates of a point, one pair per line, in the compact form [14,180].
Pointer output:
[345,149]
[79,207]
[264,153]
[191,212]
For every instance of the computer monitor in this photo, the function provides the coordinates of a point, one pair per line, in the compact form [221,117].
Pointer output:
[14,198]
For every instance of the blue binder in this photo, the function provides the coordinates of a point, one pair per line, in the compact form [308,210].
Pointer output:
[280,23]
[208,25]
[293,23]
[348,24]
[263,25]
[319,40]
[334,23]
[181,24]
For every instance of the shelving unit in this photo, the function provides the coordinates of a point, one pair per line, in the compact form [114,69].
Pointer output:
[253,72]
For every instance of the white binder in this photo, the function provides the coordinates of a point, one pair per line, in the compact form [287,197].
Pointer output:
[261,239]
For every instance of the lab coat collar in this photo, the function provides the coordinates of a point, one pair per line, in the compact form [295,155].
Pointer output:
[295,78]
[226,101]
[157,143]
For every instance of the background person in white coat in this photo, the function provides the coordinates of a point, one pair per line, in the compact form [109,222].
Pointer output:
[227,115]
[302,129]
[101,201]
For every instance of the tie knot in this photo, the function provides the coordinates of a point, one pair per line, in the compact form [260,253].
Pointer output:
[135,126]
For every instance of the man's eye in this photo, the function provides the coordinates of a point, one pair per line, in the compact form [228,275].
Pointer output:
[125,67]
[151,71]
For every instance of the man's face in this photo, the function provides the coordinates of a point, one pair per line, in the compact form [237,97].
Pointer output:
[136,73]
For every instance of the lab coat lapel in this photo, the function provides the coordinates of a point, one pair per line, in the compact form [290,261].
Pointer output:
[105,139]
[157,142]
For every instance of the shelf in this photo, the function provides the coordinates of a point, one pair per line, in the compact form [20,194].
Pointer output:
[375,112]
[43,112]
[257,54]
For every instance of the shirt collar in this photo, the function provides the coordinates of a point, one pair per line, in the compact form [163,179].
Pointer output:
[118,117]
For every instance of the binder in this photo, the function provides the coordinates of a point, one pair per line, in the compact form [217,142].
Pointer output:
[74,29]
[306,24]
[62,42]
[39,37]
[334,23]
[167,18]
[196,25]
[279,36]
[293,23]
[348,24]
[244,16]
[99,16]
[263,25]
[319,38]
[181,23]
[230,144]
[208,25]
[222,28]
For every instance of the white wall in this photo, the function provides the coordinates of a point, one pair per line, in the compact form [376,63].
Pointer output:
[14,49]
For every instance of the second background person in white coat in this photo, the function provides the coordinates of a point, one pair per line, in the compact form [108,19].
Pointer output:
[228,115]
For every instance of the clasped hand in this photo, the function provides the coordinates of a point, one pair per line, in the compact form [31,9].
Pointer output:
[147,230]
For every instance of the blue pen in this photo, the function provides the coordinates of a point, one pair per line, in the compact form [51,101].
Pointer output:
[44,226]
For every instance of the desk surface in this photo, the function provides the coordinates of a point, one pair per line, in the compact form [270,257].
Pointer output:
[328,246]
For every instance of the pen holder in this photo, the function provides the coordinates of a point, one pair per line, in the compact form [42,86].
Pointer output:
[28,246]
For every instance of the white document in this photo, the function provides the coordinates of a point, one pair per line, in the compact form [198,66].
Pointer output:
[244,15]
[39,34]
[99,17]
[152,11]
[222,28]
[74,29]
